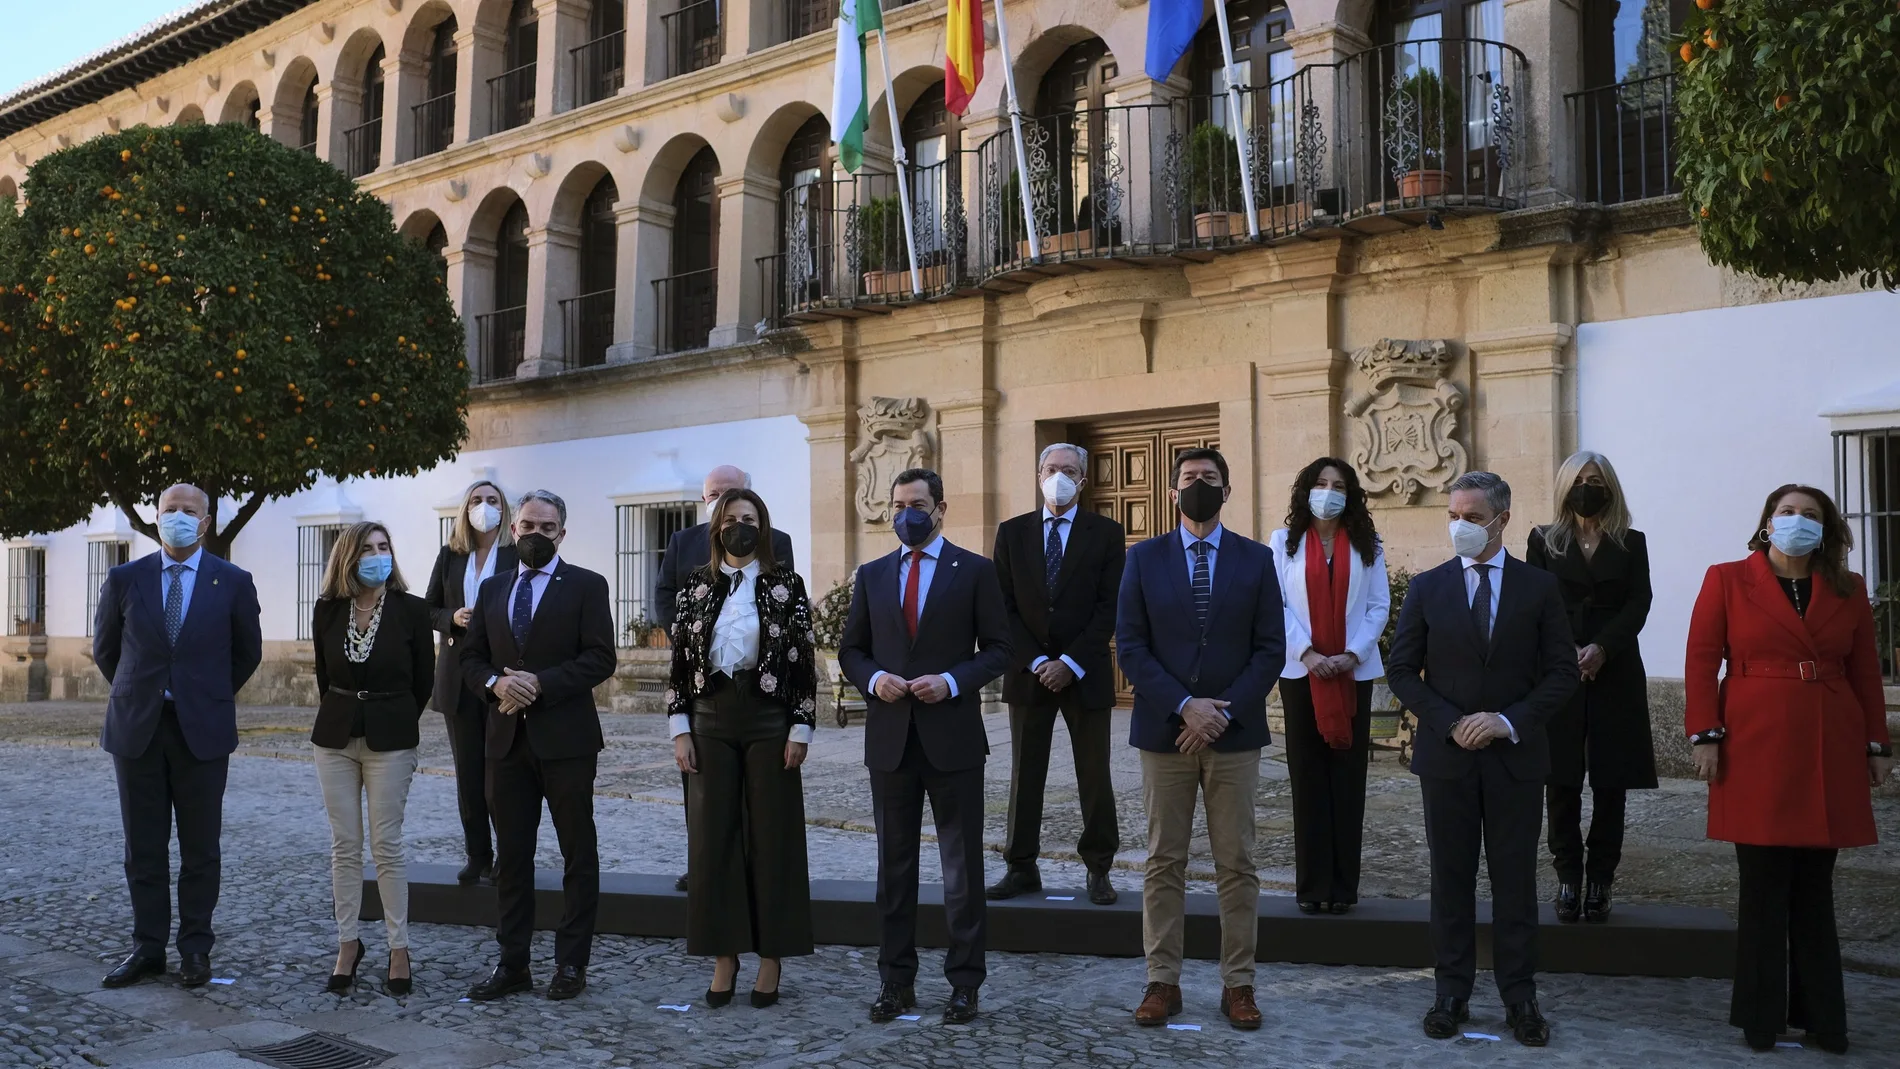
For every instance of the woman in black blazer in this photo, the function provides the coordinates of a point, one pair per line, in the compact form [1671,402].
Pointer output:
[1602,566]
[742,705]
[481,544]
[375,661]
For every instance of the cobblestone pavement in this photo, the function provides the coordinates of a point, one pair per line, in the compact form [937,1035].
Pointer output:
[64,917]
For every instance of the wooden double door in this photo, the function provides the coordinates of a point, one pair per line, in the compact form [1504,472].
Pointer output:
[1130,464]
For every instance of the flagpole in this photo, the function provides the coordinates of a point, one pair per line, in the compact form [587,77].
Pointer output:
[1016,128]
[1241,140]
[897,142]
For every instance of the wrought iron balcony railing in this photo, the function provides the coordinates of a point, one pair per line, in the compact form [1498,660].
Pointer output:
[600,68]
[500,338]
[687,304]
[511,98]
[843,242]
[695,37]
[1626,137]
[587,329]
[363,148]
[434,124]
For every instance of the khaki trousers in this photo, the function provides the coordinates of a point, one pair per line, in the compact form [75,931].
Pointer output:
[1226,782]
[347,777]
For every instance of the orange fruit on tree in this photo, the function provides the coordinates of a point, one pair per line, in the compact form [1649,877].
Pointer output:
[1708,5]
[1709,38]
[1687,51]
[1783,101]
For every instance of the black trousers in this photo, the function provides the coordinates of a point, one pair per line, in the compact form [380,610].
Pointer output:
[1031,733]
[1329,795]
[749,888]
[956,803]
[1787,953]
[1567,844]
[1485,808]
[518,781]
[164,781]
[468,741]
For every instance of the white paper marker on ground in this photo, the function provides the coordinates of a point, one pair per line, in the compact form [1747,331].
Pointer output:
[1184,1027]
[910,1017]
[675,1009]
[222,980]
[1481,1035]
[1060,898]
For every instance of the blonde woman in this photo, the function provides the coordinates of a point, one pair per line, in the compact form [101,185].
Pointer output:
[1602,567]
[481,544]
[375,661]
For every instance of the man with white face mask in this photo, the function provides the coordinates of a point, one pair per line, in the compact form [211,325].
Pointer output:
[1483,658]
[1060,568]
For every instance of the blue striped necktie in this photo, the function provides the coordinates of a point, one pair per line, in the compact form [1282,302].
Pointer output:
[523,615]
[1052,554]
[1203,583]
[175,603]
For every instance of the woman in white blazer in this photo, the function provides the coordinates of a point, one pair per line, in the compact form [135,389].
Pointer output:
[1332,577]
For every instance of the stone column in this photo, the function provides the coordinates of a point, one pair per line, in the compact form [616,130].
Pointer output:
[478,52]
[748,24]
[553,274]
[1144,130]
[642,28]
[644,252]
[1549,32]
[267,124]
[403,88]
[1328,43]
[333,98]
[563,27]
[471,281]
[827,407]
[748,212]
[1523,398]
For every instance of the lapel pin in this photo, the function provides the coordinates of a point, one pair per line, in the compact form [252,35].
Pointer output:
[954,563]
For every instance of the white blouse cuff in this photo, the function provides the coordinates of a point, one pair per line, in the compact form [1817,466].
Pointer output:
[679,724]
[801,733]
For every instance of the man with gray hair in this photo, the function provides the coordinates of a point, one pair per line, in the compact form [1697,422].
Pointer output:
[1483,658]
[540,640]
[1060,568]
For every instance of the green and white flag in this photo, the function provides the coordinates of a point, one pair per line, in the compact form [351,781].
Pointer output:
[848,98]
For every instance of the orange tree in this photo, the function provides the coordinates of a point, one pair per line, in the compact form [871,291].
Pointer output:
[1788,123]
[202,304]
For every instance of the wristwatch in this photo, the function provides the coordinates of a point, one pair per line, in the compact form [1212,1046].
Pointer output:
[1880,749]
[490,685]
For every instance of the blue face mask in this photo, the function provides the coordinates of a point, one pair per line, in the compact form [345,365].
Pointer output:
[375,569]
[178,530]
[1797,536]
[914,527]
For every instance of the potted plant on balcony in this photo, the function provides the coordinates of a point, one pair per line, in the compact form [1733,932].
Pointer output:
[1422,116]
[881,247]
[827,628]
[645,633]
[1214,183]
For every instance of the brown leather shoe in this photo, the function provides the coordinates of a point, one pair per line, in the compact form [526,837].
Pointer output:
[1158,1003]
[1236,1004]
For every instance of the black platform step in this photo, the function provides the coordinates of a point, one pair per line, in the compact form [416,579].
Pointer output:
[1638,940]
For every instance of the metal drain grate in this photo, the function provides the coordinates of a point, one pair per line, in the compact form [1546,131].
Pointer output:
[317,1051]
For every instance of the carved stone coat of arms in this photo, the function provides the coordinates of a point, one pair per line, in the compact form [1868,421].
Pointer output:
[1404,425]
[897,434]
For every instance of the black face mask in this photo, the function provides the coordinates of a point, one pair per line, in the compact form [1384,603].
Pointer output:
[1201,501]
[739,540]
[1587,499]
[535,550]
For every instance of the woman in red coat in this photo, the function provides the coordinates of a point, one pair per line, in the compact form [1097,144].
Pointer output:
[1791,741]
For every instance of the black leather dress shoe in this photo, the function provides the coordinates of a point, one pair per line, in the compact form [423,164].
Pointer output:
[1568,906]
[503,981]
[680,884]
[1596,902]
[1016,881]
[476,869]
[137,966]
[569,980]
[962,1008]
[194,970]
[1101,892]
[1759,1040]
[1831,1044]
[891,1001]
[1310,908]
[1443,1019]
[1527,1023]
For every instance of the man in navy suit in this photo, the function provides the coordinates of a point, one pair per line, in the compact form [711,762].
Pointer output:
[177,636]
[926,632]
[1483,658]
[1201,635]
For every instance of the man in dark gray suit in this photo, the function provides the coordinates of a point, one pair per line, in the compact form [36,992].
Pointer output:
[1483,657]
[177,636]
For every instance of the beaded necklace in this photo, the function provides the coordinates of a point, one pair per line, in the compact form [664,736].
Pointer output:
[357,644]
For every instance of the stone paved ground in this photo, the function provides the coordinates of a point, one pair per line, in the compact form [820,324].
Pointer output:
[63,918]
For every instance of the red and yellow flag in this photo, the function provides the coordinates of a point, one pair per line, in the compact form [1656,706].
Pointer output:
[963,54]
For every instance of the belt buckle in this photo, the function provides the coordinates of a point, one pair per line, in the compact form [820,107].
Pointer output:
[362,695]
[1809,671]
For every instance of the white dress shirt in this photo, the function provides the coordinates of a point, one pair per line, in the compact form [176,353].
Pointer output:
[475,574]
[735,641]
[1188,538]
[926,571]
[1496,565]
[1062,533]
[188,577]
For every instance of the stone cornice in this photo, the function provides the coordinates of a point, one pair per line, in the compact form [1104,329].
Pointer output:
[757,355]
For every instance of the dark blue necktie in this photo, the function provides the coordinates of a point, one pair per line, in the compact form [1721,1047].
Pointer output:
[1203,583]
[1481,606]
[1052,554]
[175,603]
[524,608]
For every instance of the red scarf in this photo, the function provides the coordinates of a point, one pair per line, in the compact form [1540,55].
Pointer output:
[1333,699]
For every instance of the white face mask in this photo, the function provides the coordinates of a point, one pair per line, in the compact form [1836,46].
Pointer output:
[1469,539]
[1058,490]
[484,517]
[1326,503]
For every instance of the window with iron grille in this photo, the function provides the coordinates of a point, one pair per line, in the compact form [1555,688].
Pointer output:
[26,590]
[314,543]
[1867,486]
[101,557]
[641,533]
[444,530]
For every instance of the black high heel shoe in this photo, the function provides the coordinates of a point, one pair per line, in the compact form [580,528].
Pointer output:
[341,983]
[762,999]
[397,986]
[716,999]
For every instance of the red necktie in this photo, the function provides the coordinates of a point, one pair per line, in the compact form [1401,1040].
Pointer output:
[910,591]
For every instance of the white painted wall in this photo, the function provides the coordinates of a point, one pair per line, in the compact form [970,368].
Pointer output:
[588,473]
[1703,413]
